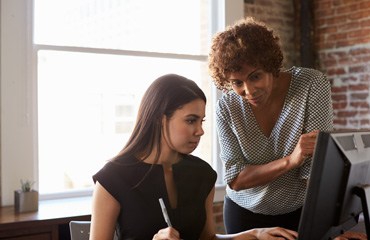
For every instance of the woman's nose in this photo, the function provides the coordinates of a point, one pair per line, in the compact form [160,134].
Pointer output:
[199,131]
[248,89]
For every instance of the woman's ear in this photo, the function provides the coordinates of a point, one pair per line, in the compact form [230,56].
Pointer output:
[164,124]
[164,121]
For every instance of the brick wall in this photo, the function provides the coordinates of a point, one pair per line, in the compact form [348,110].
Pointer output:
[342,40]
[342,43]
[218,208]
[280,16]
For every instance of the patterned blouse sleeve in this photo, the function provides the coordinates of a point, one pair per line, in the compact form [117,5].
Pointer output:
[319,113]
[230,151]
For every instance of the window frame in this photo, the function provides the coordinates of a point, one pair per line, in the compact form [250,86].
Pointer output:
[18,116]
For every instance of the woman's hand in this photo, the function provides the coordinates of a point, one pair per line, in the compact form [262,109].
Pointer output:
[304,148]
[167,233]
[352,235]
[275,233]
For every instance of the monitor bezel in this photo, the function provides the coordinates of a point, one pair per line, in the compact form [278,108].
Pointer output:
[326,210]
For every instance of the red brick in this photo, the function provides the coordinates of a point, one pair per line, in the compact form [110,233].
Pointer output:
[324,12]
[362,33]
[334,20]
[359,96]
[359,104]
[359,87]
[340,122]
[336,3]
[339,105]
[330,62]
[348,26]
[349,60]
[338,54]
[359,51]
[364,78]
[354,122]
[347,9]
[365,122]
[346,113]
[345,2]
[364,112]
[217,208]
[347,42]
[337,98]
[365,4]
[336,71]
[356,16]
[365,59]
[322,4]
[339,89]
[365,23]
[349,79]
[357,69]
[320,23]
[219,219]
[334,37]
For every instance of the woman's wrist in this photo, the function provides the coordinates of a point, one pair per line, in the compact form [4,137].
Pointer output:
[290,164]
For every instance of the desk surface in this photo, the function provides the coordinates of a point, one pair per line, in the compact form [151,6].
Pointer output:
[49,210]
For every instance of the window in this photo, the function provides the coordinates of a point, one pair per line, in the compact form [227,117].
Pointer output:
[94,61]
[73,76]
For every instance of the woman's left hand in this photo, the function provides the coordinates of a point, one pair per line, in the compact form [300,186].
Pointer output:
[275,233]
[352,235]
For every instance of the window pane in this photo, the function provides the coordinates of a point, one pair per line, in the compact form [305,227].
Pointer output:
[172,26]
[87,105]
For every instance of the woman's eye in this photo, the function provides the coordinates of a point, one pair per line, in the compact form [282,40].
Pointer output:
[237,83]
[195,120]
[191,121]
[254,77]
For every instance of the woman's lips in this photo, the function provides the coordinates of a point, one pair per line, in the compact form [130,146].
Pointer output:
[254,100]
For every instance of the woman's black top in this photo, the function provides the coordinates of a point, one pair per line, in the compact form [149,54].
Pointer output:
[137,186]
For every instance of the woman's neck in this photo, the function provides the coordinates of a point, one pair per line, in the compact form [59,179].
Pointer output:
[166,158]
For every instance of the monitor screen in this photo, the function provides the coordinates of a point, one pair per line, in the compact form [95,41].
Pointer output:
[340,163]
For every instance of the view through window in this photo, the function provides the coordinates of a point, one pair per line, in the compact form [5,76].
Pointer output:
[95,59]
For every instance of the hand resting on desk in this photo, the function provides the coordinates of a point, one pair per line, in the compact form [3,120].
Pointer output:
[352,236]
[273,233]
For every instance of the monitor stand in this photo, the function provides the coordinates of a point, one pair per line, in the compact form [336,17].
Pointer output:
[364,193]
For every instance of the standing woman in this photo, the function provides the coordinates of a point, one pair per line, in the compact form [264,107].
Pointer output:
[267,123]
[156,163]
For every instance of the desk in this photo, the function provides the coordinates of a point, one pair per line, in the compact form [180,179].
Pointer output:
[50,222]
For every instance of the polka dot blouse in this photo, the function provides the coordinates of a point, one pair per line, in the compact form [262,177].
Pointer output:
[307,107]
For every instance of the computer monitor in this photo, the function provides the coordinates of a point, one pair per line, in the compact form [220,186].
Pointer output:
[337,189]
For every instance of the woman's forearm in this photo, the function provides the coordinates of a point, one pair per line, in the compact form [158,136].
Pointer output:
[258,175]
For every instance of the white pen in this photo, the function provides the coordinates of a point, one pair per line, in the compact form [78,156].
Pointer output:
[165,214]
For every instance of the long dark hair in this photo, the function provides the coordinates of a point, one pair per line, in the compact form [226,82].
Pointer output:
[163,97]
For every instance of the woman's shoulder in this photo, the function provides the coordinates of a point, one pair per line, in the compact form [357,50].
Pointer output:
[229,95]
[305,78]
[230,101]
[120,165]
[306,73]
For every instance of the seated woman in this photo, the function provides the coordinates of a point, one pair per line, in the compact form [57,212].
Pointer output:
[156,163]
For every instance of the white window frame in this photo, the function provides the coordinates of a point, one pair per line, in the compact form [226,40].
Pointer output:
[18,93]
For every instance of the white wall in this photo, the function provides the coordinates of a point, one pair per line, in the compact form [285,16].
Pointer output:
[17,102]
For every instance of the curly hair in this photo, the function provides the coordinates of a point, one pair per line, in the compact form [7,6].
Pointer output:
[246,42]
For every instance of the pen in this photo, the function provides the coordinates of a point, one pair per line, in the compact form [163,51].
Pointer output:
[164,211]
